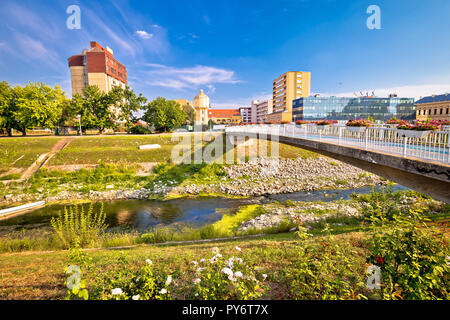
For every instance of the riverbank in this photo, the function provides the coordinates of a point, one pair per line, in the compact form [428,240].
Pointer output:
[253,178]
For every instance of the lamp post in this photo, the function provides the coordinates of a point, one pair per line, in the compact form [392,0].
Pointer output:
[79,122]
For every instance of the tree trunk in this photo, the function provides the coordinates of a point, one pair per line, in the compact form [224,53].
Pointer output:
[100,131]
[9,132]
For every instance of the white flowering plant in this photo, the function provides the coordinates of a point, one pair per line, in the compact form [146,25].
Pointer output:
[223,278]
[142,284]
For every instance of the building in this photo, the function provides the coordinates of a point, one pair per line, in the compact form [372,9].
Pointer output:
[286,88]
[225,116]
[263,108]
[435,107]
[342,108]
[96,66]
[201,107]
[183,102]
[246,114]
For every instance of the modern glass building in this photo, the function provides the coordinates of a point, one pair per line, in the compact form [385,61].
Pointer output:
[342,108]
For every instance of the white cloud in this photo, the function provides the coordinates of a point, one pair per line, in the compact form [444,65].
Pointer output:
[191,77]
[144,34]
[408,91]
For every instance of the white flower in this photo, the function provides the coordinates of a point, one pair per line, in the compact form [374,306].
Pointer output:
[200,269]
[213,259]
[196,294]
[136,297]
[238,274]
[215,250]
[149,261]
[169,280]
[163,291]
[264,276]
[238,249]
[202,260]
[117,291]
[231,278]
[197,280]
[218,255]
[194,263]
[239,260]
[227,271]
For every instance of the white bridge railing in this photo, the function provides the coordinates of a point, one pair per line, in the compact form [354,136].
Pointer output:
[434,147]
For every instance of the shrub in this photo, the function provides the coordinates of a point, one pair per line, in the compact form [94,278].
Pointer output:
[77,226]
[220,278]
[411,258]
[138,129]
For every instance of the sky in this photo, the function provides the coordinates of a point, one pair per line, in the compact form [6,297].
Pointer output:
[234,49]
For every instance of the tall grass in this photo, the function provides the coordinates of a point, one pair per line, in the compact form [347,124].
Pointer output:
[78,226]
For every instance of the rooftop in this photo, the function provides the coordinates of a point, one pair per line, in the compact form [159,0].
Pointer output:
[434,98]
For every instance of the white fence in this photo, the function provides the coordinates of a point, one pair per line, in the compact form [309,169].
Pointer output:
[435,146]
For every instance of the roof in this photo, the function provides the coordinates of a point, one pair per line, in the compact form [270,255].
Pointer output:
[223,113]
[439,98]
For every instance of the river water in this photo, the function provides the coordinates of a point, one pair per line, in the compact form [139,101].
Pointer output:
[144,214]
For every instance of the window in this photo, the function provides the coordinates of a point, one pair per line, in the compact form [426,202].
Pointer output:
[441,111]
[435,111]
[446,111]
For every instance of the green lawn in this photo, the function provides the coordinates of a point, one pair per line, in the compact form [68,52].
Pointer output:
[22,152]
[114,149]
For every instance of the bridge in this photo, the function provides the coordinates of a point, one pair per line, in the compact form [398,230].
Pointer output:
[421,164]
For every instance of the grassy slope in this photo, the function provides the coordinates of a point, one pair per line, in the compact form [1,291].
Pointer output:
[30,148]
[41,275]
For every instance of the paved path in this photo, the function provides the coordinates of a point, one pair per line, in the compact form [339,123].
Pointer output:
[43,158]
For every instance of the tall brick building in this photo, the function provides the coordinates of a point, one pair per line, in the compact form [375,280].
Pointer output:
[96,66]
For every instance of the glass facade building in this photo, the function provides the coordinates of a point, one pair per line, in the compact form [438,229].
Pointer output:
[342,108]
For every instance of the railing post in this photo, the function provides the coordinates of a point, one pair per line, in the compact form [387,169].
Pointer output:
[340,135]
[366,133]
[404,147]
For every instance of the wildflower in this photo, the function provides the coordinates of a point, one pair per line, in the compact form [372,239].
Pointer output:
[194,263]
[202,260]
[117,291]
[379,259]
[238,249]
[231,278]
[149,261]
[227,271]
[136,297]
[197,280]
[169,280]
[238,274]
[264,276]
[239,260]
[213,259]
[218,255]
[200,269]
[196,294]
[215,250]
[163,291]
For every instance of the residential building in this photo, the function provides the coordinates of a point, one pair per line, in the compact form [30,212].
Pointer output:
[201,107]
[246,114]
[286,88]
[435,107]
[225,116]
[183,102]
[263,108]
[96,66]
[343,108]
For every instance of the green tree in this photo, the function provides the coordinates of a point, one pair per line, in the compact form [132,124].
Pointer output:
[190,114]
[127,102]
[36,105]
[95,109]
[7,122]
[164,114]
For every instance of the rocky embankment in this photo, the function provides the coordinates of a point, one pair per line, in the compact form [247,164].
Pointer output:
[267,176]
[255,178]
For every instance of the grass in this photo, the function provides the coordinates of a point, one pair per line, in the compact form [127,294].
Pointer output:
[22,152]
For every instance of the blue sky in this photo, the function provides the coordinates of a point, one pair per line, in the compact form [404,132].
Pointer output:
[234,49]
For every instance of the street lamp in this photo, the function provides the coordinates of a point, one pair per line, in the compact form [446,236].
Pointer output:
[79,122]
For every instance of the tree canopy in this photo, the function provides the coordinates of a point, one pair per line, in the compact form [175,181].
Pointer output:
[164,115]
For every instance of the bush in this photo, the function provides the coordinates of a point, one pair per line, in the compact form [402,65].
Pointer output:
[411,258]
[76,226]
[218,278]
[139,130]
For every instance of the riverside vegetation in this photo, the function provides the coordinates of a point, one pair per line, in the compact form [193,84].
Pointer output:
[323,259]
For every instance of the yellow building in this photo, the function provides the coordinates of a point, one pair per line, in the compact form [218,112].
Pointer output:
[201,107]
[435,107]
[225,116]
[287,87]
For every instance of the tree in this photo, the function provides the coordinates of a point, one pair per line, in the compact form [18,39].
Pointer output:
[6,108]
[164,114]
[190,114]
[127,102]
[95,109]
[36,105]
